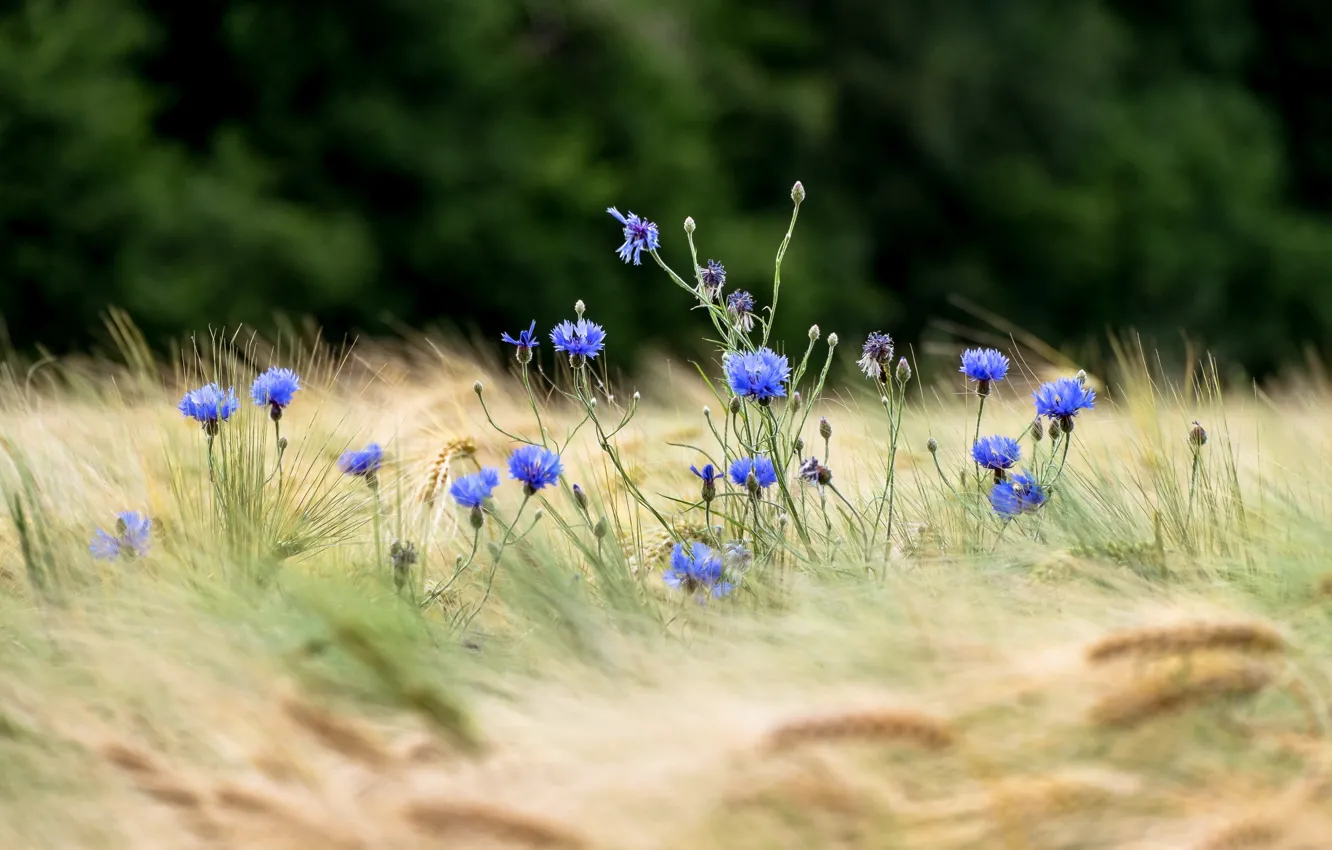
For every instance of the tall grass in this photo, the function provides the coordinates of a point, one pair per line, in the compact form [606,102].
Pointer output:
[1141,662]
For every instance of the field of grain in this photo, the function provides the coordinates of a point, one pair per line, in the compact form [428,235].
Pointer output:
[1145,663]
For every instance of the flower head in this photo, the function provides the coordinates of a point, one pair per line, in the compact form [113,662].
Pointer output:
[209,405]
[1062,399]
[525,342]
[764,472]
[639,235]
[737,557]
[364,463]
[996,453]
[579,339]
[1019,494]
[984,364]
[708,473]
[697,569]
[740,304]
[713,278]
[876,356]
[130,540]
[814,472]
[535,466]
[275,389]
[758,374]
[471,491]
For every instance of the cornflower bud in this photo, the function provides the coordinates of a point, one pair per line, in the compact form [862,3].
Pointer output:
[932,444]
[798,192]
[903,370]
[825,428]
[1198,435]
[1037,429]
[813,332]
[689,224]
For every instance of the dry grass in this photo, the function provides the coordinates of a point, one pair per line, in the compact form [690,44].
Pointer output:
[312,705]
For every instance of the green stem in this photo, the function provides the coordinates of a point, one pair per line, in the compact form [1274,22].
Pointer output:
[777,273]
[499,553]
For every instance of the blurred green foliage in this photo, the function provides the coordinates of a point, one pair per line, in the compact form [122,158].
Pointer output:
[1071,164]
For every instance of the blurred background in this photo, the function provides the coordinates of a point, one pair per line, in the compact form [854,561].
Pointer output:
[1072,165]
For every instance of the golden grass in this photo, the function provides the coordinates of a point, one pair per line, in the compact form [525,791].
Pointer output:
[314,706]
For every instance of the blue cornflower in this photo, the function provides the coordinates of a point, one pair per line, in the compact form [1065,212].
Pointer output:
[525,342]
[764,472]
[209,405]
[1019,494]
[697,569]
[471,491]
[984,366]
[758,374]
[713,278]
[535,466]
[709,474]
[740,305]
[996,453]
[1062,399]
[275,389]
[639,235]
[130,539]
[580,339]
[364,463]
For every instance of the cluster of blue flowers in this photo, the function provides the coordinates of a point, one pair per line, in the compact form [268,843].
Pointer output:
[1059,401]
[770,446]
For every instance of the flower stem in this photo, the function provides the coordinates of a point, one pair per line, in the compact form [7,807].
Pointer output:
[499,553]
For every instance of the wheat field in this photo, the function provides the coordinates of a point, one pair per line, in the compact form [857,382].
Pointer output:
[1146,666]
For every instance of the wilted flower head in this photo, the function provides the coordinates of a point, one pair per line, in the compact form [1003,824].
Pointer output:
[758,374]
[996,452]
[364,463]
[275,389]
[713,278]
[535,466]
[1062,399]
[1018,494]
[876,356]
[402,555]
[130,540]
[764,472]
[525,342]
[697,569]
[471,491]
[209,405]
[737,557]
[814,472]
[639,235]
[740,304]
[579,339]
